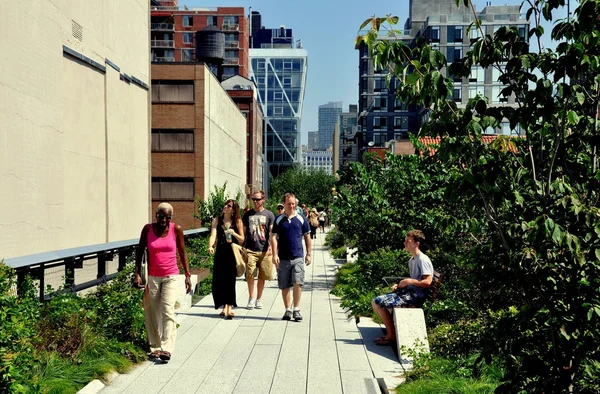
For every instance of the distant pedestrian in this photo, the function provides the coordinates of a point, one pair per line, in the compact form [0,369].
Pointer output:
[279,209]
[258,223]
[305,211]
[224,231]
[286,241]
[299,210]
[164,239]
[322,218]
[313,221]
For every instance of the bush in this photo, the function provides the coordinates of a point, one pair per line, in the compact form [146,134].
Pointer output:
[334,238]
[339,253]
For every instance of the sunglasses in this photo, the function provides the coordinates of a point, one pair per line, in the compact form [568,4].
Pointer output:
[228,206]
[280,209]
[160,216]
[256,199]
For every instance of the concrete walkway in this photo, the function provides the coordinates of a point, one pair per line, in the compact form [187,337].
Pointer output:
[257,352]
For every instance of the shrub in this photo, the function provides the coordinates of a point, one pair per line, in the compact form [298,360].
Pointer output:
[339,253]
[334,238]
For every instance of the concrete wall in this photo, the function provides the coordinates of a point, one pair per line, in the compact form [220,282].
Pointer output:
[224,139]
[74,140]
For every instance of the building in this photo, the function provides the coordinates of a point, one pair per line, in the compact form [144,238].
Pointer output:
[243,92]
[313,140]
[348,128]
[318,160]
[173,34]
[278,66]
[382,117]
[74,157]
[329,115]
[198,138]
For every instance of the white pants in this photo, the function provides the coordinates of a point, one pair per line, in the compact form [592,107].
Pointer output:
[160,314]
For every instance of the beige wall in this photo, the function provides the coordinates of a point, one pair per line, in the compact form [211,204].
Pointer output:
[224,139]
[74,141]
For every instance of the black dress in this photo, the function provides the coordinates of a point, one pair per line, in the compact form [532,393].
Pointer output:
[224,271]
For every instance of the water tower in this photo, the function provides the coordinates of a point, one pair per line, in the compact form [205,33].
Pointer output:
[210,49]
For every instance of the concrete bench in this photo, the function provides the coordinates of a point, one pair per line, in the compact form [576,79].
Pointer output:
[411,333]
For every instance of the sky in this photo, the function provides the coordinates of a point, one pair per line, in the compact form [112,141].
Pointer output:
[328,29]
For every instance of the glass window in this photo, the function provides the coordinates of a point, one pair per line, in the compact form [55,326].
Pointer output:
[496,73]
[172,140]
[380,103]
[287,81]
[477,75]
[230,20]
[475,90]
[380,122]
[278,96]
[457,95]
[188,20]
[474,33]
[212,21]
[172,91]
[454,54]
[188,38]
[277,110]
[455,34]
[260,64]
[287,64]
[434,33]
[400,122]
[188,55]
[172,189]
[379,138]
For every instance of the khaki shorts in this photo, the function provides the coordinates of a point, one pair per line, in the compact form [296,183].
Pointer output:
[260,261]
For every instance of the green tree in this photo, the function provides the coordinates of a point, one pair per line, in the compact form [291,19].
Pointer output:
[212,207]
[538,194]
[312,187]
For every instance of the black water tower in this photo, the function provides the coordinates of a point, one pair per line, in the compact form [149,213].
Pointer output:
[210,48]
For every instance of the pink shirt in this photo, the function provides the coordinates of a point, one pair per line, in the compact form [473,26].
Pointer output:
[162,253]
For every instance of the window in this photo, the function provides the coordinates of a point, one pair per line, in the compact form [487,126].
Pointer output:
[457,95]
[398,104]
[523,33]
[455,34]
[379,138]
[278,96]
[474,33]
[477,75]
[172,140]
[287,64]
[400,122]
[379,122]
[496,73]
[277,110]
[380,103]
[211,21]
[187,55]
[380,85]
[496,96]
[172,91]
[434,34]
[454,54]
[399,136]
[260,64]
[475,90]
[229,71]
[230,20]
[287,81]
[188,20]
[188,38]
[229,54]
[172,189]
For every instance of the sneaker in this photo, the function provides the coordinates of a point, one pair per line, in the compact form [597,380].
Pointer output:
[297,316]
[287,316]
[250,303]
[258,304]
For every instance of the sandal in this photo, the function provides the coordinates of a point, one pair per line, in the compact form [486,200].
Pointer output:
[385,342]
[222,313]
[230,316]
[154,354]
[165,356]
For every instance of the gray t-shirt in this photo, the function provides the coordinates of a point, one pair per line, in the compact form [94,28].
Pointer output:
[420,265]
[258,225]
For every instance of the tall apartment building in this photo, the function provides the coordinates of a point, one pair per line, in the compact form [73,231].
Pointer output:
[348,122]
[329,115]
[173,34]
[318,160]
[198,138]
[382,117]
[74,93]
[278,66]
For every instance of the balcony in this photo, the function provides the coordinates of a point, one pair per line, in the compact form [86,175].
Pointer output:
[163,59]
[162,26]
[231,27]
[232,44]
[234,61]
[162,43]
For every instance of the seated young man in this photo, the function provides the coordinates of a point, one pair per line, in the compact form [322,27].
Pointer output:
[409,291]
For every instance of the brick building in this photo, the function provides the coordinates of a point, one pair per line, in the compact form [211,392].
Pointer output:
[198,138]
[173,34]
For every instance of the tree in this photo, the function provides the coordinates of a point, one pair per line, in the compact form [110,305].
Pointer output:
[540,202]
[312,187]
[212,207]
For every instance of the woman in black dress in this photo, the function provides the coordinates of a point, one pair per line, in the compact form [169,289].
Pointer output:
[225,230]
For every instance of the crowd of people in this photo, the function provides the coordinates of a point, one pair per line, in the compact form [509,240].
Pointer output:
[278,243]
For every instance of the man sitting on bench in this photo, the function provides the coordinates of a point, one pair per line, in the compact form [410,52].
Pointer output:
[409,292]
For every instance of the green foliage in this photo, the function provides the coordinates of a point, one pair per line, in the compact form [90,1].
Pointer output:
[212,207]
[523,212]
[339,253]
[197,253]
[334,238]
[359,282]
[312,188]
[18,316]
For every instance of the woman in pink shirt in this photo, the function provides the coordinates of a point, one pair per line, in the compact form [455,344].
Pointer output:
[164,239]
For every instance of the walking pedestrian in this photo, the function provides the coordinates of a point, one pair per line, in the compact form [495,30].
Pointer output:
[313,221]
[289,258]
[164,239]
[322,217]
[258,223]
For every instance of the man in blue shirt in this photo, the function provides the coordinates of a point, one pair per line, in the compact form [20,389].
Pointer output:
[288,255]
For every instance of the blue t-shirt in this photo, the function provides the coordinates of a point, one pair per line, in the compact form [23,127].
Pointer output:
[289,232]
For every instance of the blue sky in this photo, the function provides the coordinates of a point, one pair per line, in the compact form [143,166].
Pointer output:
[328,29]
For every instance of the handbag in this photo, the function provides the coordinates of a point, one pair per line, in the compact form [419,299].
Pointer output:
[240,264]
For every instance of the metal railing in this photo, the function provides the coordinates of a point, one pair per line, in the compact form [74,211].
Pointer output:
[35,265]
[162,43]
[232,27]
[231,61]
[162,26]
[232,44]
[163,59]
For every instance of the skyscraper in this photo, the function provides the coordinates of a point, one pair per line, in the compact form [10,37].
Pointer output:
[329,115]
[278,65]
[313,140]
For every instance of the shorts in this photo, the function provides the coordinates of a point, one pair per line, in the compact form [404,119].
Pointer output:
[398,299]
[290,273]
[259,261]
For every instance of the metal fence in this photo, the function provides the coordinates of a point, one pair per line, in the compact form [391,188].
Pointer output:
[59,267]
